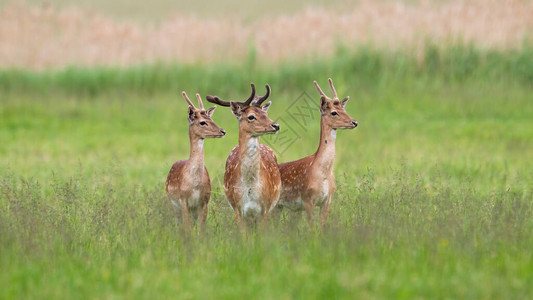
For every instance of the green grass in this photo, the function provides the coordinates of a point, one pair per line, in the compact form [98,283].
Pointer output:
[367,67]
[434,188]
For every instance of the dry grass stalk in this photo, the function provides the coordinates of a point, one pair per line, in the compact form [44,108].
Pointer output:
[40,38]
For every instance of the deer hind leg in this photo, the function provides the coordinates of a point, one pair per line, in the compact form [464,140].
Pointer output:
[186,219]
[239,221]
[176,206]
[267,216]
[276,213]
[194,214]
[309,211]
[295,218]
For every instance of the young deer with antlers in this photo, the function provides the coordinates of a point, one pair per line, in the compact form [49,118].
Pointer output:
[252,181]
[310,182]
[188,186]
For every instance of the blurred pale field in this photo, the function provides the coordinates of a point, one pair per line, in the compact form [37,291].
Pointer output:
[55,34]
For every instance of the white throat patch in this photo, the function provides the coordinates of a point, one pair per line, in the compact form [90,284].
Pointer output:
[253,144]
[250,161]
[333,133]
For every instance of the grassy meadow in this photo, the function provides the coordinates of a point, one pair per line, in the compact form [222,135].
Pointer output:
[434,188]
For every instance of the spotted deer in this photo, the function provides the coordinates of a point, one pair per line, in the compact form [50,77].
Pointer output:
[252,182]
[310,181]
[188,186]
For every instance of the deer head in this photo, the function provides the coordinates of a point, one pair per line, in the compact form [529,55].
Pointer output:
[200,123]
[332,110]
[252,115]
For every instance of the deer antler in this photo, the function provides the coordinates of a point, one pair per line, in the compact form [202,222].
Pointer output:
[252,96]
[335,97]
[262,99]
[199,101]
[217,100]
[319,89]
[187,99]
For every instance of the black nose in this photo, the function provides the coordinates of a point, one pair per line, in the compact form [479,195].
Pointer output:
[354,124]
[276,126]
[223,131]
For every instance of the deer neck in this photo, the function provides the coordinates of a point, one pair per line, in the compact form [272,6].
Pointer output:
[325,155]
[196,156]
[249,157]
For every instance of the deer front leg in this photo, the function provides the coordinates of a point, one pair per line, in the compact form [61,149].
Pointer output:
[186,219]
[239,221]
[324,212]
[202,219]
[266,217]
[177,210]
[309,210]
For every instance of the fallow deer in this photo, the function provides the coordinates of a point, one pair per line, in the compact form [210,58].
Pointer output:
[188,186]
[252,182]
[310,181]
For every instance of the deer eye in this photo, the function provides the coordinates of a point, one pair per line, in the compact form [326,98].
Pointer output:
[334,113]
[203,123]
[251,117]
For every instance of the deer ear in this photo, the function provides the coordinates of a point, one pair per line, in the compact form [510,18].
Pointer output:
[323,105]
[236,109]
[343,102]
[266,106]
[210,111]
[190,115]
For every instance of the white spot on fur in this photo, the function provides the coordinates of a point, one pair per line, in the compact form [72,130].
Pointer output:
[333,134]
[200,144]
